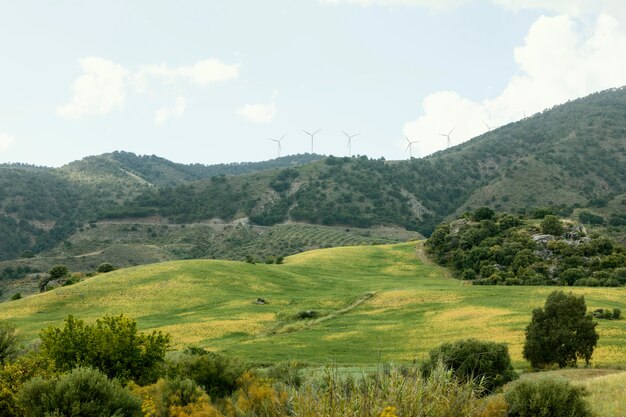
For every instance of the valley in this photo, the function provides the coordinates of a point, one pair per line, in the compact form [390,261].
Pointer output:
[354,305]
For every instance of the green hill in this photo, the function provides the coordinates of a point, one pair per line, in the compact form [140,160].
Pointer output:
[125,244]
[130,169]
[353,305]
[571,156]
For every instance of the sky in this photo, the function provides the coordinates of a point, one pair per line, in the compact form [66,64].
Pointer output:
[211,81]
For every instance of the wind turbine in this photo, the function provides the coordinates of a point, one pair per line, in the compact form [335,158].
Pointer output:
[409,146]
[350,141]
[278,143]
[312,135]
[488,127]
[448,136]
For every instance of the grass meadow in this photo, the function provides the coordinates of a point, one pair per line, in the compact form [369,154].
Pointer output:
[370,304]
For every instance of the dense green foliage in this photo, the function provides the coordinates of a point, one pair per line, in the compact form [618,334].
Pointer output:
[547,398]
[216,374]
[82,392]
[568,157]
[8,342]
[560,332]
[474,360]
[112,345]
[511,250]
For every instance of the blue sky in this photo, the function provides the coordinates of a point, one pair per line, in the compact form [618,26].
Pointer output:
[211,81]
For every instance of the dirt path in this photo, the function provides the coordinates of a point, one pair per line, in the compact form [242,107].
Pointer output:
[420,252]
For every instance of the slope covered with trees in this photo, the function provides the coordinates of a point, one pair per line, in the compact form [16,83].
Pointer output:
[569,158]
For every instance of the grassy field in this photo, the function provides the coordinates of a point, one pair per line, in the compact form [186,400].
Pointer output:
[369,304]
[126,243]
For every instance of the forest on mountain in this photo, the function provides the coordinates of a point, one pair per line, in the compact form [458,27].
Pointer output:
[569,158]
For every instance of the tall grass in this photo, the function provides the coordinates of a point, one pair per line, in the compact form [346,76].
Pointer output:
[398,391]
[607,395]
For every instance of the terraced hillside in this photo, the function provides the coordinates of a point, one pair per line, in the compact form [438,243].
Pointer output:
[353,305]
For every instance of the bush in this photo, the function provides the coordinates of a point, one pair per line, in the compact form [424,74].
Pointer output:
[287,372]
[483,213]
[105,267]
[551,225]
[617,313]
[13,375]
[82,392]
[8,343]
[473,359]
[547,398]
[112,345]
[216,374]
[58,272]
[16,296]
[560,332]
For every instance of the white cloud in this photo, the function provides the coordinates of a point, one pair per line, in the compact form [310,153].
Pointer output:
[431,4]
[6,141]
[557,63]
[166,113]
[201,73]
[578,8]
[258,113]
[102,87]
[98,91]
[261,113]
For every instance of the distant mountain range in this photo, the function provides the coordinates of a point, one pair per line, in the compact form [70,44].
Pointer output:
[571,158]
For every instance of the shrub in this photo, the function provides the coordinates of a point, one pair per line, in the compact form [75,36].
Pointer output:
[473,359]
[105,267]
[287,373]
[15,374]
[16,296]
[551,225]
[483,213]
[8,343]
[617,313]
[547,398]
[112,345]
[560,332]
[82,392]
[58,272]
[216,374]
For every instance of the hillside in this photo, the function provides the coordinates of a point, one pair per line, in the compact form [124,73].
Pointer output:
[134,170]
[568,157]
[353,305]
[125,244]
[40,206]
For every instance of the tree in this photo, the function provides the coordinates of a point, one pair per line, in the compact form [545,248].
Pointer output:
[112,345]
[472,358]
[560,332]
[58,272]
[551,225]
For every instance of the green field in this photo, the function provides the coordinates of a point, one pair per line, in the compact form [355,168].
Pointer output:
[372,304]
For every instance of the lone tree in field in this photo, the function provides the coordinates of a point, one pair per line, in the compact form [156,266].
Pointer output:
[560,332]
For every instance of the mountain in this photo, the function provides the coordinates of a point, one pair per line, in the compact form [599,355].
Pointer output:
[40,206]
[570,158]
[150,170]
[567,157]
